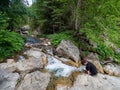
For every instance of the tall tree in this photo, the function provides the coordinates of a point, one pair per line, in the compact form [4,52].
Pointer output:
[57,15]
[14,9]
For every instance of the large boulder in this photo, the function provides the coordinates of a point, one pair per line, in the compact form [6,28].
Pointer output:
[8,66]
[22,66]
[8,81]
[34,52]
[29,64]
[112,69]
[36,59]
[35,81]
[93,58]
[67,49]
[99,82]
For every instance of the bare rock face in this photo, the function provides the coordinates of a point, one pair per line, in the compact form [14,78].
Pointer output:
[99,82]
[22,66]
[35,81]
[69,50]
[93,58]
[29,65]
[8,80]
[10,67]
[35,60]
[112,69]
[34,52]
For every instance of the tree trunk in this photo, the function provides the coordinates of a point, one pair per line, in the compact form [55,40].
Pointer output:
[77,16]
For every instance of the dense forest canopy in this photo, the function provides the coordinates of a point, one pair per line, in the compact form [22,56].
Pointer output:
[97,21]
[13,10]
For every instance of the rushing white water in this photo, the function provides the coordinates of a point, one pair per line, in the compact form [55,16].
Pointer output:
[59,68]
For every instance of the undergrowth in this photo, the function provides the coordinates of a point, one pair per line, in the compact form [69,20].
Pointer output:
[10,43]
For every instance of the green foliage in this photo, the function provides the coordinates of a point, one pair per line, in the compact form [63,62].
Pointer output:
[100,23]
[16,11]
[114,37]
[58,37]
[10,43]
[18,81]
[117,58]
[47,15]
[55,15]
[3,21]
[86,53]
[104,51]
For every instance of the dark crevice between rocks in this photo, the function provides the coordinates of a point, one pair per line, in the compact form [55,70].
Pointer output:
[19,81]
[64,81]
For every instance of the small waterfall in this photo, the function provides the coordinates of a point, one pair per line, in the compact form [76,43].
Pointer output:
[59,68]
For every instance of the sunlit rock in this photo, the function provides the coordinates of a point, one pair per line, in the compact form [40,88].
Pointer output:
[11,67]
[67,49]
[35,81]
[112,69]
[8,80]
[87,82]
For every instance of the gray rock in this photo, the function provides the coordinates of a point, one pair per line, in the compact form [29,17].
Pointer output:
[117,50]
[93,58]
[8,80]
[35,81]
[34,52]
[69,50]
[25,28]
[10,61]
[21,58]
[35,60]
[112,69]
[10,67]
[22,66]
[30,64]
[99,82]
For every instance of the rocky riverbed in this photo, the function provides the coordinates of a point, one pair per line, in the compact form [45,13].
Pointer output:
[60,69]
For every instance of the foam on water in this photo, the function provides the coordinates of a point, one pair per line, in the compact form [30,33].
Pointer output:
[59,68]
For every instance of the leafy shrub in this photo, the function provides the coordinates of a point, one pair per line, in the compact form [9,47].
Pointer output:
[57,37]
[102,25]
[10,43]
[3,21]
[117,58]
[104,51]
